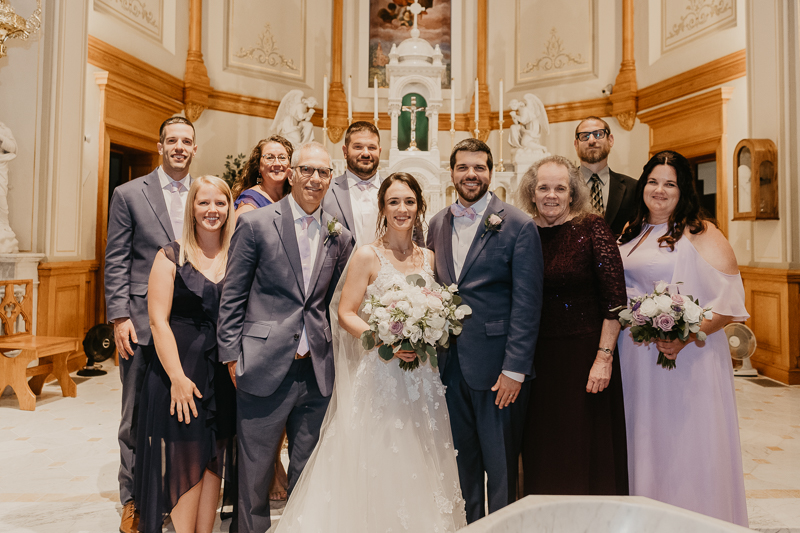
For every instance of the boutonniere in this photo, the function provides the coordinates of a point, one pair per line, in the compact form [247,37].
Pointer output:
[492,223]
[334,229]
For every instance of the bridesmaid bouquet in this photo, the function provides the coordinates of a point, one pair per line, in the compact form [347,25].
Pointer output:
[413,317]
[666,316]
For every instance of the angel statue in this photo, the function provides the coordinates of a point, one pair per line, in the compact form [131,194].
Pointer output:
[8,151]
[293,119]
[14,26]
[530,120]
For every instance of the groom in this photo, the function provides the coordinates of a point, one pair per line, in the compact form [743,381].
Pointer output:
[274,332]
[492,251]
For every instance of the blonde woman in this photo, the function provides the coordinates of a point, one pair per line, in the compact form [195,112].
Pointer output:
[181,447]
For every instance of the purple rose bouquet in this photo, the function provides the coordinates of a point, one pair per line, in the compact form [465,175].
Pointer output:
[664,315]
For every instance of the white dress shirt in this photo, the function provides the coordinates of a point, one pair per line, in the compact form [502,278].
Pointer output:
[605,180]
[166,188]
[365,206]
[313,232]
[464,231]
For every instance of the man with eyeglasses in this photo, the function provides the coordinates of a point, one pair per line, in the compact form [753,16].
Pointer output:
[613,194]
[273,331]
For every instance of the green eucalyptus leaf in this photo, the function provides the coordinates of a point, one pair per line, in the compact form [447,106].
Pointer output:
[434,362]
[415,279]
[386,352]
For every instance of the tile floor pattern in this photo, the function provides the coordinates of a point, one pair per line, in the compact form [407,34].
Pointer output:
[58,465]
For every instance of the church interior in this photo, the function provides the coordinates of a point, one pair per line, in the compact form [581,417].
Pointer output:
[85,88]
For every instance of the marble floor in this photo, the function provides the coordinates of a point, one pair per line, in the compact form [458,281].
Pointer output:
[58,465]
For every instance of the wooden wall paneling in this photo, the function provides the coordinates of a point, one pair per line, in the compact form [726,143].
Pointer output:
[67,295]
[772,297]
[695,127]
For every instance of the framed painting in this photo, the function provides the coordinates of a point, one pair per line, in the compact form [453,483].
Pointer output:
[390,23]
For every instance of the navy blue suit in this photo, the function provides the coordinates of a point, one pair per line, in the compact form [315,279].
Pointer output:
[501,281]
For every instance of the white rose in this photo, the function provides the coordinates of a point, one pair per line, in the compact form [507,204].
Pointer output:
[417,312]
[453,287]
[664,303]
[708,315]
[383,329]
[381,314]
[649,307]
[436,321]
[389,297]
[367,309]
[626,315]
[661,286]
[446,296]
[431,335]
[337,228]
[435,303]
[692,312]
[404,306]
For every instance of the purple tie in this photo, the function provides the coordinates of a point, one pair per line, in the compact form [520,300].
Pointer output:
[460,211]
[304,244]
[176,208]
[364,185]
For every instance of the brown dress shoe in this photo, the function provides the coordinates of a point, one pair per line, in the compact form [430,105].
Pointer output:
[130,519]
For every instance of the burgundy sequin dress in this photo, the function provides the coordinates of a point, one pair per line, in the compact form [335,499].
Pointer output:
[575,441]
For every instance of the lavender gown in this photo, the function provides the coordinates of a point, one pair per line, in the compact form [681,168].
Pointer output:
[682,426]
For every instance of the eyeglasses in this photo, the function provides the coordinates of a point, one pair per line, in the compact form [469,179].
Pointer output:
[307,171]
[269,158]
[583,136]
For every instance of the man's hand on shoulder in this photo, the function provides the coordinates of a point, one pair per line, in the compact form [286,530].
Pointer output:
[124,333]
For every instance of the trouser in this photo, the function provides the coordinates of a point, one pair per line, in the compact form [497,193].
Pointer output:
[299,406]
[131,373]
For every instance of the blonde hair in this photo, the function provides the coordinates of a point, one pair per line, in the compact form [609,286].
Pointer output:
[190,249]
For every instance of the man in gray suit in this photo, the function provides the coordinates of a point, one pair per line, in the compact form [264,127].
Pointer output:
[613,194]
[353,196]
[274,331]
[144,214]
[492,251]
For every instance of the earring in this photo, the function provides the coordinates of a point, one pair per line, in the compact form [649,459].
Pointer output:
[259,179]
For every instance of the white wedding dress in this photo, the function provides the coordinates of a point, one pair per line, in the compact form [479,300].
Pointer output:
[385,460]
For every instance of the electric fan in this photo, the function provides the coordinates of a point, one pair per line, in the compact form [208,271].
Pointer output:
[742,345]
[98,345]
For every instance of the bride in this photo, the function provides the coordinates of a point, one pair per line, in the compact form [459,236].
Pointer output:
[385,460]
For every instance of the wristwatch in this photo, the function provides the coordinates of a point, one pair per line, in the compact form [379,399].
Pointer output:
[609,351]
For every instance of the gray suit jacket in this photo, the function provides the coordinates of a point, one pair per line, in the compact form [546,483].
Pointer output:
[501,281]
[138,225]
[264,305]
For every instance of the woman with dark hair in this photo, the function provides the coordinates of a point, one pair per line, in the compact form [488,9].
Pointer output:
[683,432]
[385,459]
[264,178]
[574,437]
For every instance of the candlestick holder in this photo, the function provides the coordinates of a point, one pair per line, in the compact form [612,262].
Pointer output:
[501,167]
[452,133]
[477,131]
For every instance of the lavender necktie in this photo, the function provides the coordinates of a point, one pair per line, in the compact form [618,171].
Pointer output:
[304,243]
[460,211]
[176,208]
[364,185]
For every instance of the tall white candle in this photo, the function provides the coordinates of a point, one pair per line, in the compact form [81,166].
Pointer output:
[350,98]
[452,99]
[477,113]
[501,99]
[375,88]
[325,96]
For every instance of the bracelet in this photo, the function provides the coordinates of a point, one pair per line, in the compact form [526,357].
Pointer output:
[609,351]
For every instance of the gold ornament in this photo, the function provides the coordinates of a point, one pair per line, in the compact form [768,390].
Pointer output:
[14,26]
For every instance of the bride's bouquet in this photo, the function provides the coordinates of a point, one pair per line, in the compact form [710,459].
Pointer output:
[666,316]
[413,317]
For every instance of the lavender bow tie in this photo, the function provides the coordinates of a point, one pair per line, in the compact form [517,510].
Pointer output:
[459,211]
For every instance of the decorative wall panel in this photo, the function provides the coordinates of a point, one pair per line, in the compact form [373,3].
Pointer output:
[144,15]
[266,38]
[555,41]
[686,20]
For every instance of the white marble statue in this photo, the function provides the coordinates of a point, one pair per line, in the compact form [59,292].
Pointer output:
[8,151]
[530,120]
[293,119]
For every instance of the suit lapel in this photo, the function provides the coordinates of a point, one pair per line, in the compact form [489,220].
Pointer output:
[322,252]
[285,227]
[616,190]
[446,238]
[481,236]
[342,194]
[155,196]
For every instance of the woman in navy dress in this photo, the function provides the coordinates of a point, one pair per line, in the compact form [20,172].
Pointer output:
[264,179]
[183,443]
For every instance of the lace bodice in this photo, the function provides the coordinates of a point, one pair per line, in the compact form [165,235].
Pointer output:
[389,275]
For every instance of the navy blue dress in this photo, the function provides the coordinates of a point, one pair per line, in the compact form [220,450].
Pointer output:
[172,456]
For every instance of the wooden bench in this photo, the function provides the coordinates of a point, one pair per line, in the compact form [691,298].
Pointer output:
[15,334]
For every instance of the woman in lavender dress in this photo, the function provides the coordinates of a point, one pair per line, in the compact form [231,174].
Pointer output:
[683,431]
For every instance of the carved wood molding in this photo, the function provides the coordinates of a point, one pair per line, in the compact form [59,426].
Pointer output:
[713,73]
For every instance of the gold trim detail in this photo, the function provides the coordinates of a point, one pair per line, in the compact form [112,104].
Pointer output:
[554,57]
[138,9]
[14,26]
[266,51]
[699,12]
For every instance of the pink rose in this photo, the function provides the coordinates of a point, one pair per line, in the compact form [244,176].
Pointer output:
[396,328]
[638,318]
[494,220]
[677,298]
[664,322]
